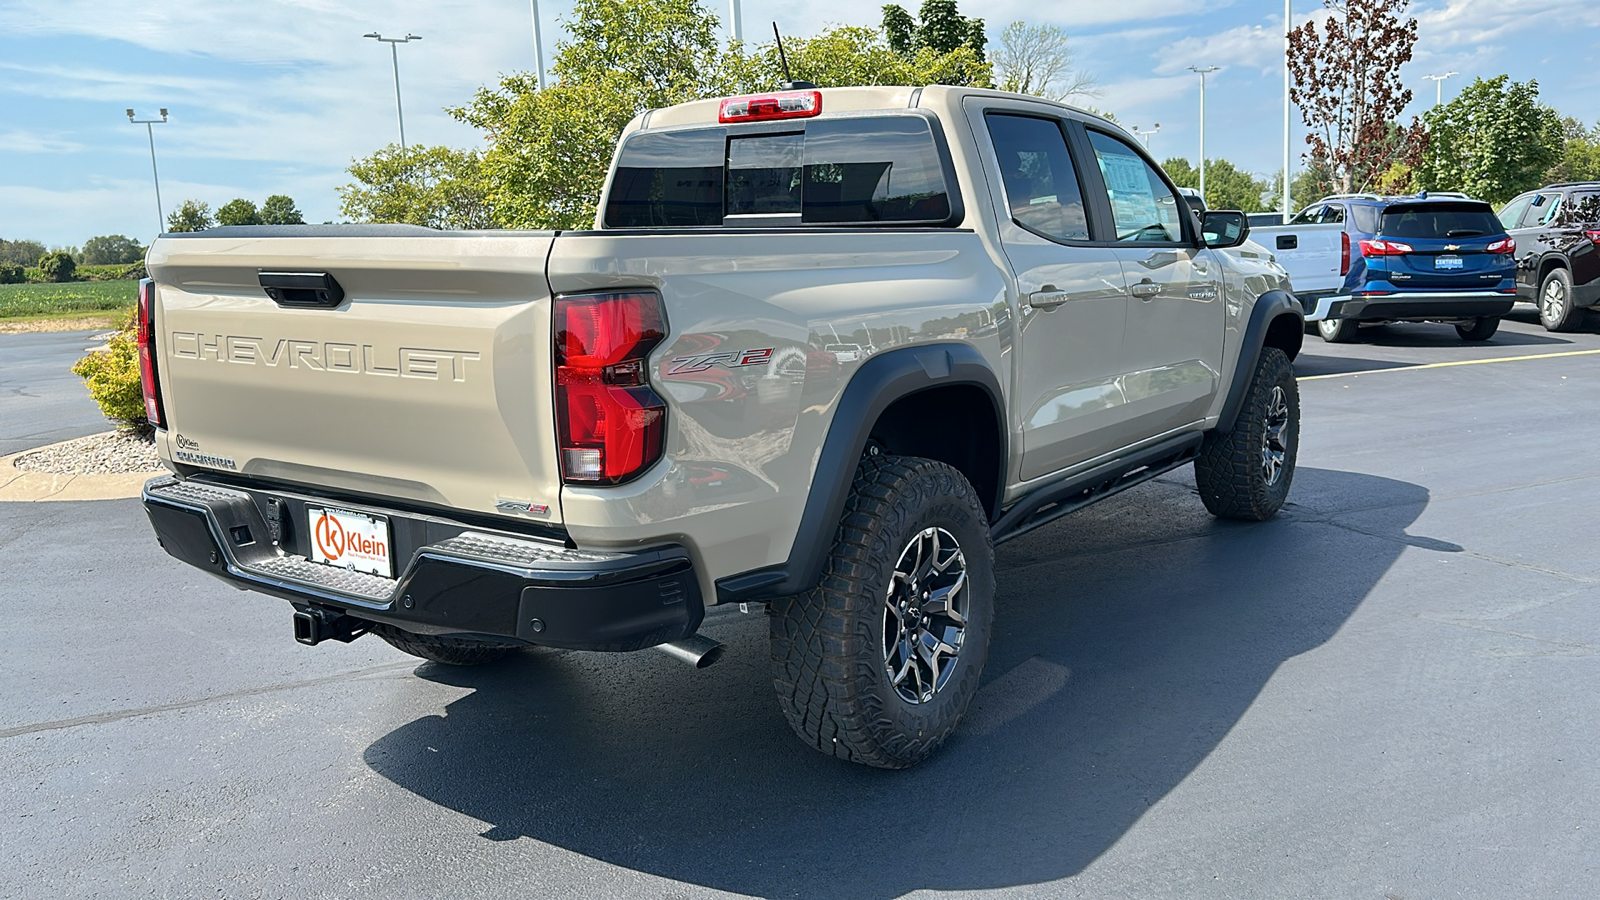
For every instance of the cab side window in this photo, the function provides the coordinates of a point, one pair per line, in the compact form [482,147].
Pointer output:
[1143,209]
[1511,215]
[1307,216]
[1544,206]
[1041,184]
[1332,214]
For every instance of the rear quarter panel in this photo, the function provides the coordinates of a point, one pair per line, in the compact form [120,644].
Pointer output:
[743,440]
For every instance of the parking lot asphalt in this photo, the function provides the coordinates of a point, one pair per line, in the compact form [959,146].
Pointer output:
[41,401]
[1385,692]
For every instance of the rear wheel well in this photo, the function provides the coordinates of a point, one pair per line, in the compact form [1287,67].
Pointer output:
[1548,266]
[1287,333]
[956,425]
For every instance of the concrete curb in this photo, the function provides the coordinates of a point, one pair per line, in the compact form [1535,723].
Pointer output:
[17,486]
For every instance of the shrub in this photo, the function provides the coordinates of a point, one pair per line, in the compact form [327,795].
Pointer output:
[57,266]
[112,377]
[11,274]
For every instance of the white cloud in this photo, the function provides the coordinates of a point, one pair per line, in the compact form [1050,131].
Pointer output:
[1463,23]
[25,141]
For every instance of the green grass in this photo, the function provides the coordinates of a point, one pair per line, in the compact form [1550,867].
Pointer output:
[19,301]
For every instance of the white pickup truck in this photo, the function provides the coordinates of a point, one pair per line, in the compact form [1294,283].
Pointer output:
[1315,247]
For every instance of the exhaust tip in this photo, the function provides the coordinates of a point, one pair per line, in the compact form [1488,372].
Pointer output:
[697,650]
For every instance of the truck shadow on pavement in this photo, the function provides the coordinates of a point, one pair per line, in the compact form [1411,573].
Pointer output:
[1130,639]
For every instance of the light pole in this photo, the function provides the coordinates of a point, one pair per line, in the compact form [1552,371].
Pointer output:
[538,44]
[1145,135]
[149,130]
[1288,12]
[1202,72]
[735,21]
[395,55]
[1438,86]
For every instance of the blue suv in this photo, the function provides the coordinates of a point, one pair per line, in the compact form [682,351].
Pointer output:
[1422,258]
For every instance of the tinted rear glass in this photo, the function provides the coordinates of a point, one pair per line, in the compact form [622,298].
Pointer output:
[1584,208]
[1439,220]
[669,178]
[855,170]
[1366,218]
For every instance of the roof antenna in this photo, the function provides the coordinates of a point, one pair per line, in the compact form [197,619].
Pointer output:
[789,84]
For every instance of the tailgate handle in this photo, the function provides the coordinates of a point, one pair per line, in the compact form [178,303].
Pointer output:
[312,290]
[1288,242]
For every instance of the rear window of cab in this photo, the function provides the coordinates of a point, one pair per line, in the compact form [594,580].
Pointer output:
[849,170]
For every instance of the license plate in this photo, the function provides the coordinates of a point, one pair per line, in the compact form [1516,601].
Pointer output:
[1447,262]
[350,540]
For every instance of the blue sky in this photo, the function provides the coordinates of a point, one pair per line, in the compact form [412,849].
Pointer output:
[277,96]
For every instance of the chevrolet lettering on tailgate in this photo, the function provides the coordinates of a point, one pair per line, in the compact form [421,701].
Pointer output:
[320,356]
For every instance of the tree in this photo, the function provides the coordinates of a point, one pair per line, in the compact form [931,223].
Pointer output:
[1035,59]
[238,211]
[193,215]
[549,150]
[111,249]
[21,253]
[1227,185]
[435,187]
[1580,154]
[1347,85]
[278,209]
[942,30]
[1493,141]
[57,266]
[1182,172]
[854,55]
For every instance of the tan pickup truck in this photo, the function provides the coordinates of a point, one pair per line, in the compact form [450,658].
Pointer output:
[821,351]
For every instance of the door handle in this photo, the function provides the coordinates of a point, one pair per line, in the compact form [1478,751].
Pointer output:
[1047,297]
[1145,289]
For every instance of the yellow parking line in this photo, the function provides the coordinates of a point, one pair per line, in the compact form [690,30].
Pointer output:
[1460,362]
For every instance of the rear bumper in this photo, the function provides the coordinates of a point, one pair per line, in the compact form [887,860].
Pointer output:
[456,579]
[1417,306]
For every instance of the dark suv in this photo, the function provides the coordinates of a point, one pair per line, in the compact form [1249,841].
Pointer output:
[1423,258]
[1557,229]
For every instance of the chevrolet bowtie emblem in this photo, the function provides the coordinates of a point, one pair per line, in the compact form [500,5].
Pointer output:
[1452,246]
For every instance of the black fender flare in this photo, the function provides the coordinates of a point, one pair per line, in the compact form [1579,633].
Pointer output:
[1269,307]
[880,381]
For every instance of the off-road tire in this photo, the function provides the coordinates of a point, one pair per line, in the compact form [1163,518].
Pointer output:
[1557,311]
[1479,329]
[828,656]
[1231,472]
[440,649]
[1338,331]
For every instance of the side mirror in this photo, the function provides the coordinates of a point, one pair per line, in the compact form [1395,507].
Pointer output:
[1224,228]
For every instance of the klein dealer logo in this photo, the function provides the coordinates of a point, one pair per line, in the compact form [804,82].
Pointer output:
[332,541]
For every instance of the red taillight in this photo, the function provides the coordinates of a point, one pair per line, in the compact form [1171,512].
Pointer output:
[760,107]
[1378,247]
[1593,236]
[609,422]
[1344,253]
[147,354]
[1504,245]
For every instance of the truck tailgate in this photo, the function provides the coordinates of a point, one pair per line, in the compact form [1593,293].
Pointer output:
[1312,255]
[429,382]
